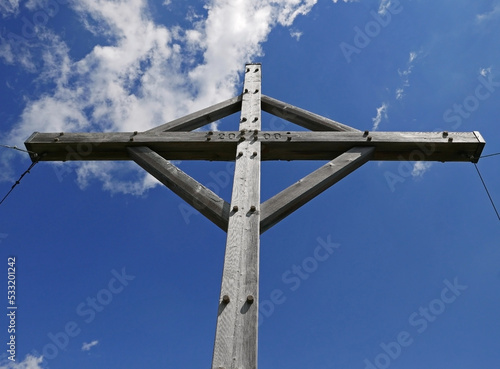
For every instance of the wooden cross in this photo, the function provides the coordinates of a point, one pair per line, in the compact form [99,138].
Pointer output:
[245,218]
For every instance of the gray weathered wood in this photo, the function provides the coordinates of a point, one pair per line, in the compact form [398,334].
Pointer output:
[194,193]
[302,117]
[202,117]
[237,321]
[414,146]
[287,201]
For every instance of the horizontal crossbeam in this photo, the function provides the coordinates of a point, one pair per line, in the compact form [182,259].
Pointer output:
[419,146]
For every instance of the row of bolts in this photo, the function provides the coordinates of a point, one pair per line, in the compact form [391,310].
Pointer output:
[226,299]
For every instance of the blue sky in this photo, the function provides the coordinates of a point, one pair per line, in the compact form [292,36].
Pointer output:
[396,266]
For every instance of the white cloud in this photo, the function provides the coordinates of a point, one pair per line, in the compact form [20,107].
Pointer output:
[88,346]
[33,5]
[420,167]
[384,6]
[485,17]
[485,71]
[8,7]
[405,75]
[146,74]
[6,51]
[296,34]
[30,362]
[110,175]
[346,1]
[381,114]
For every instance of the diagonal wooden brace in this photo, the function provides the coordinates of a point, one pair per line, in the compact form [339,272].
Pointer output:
[202,117]
[194,193]
[302,117]
[287,201]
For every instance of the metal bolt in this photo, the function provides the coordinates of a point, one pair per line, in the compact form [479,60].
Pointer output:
[242,138]
[253,208]
[56,139]
[243,131]
[369,138]
[210,133]
[256,132]
[225,299]
[248,70]
[250,299]
[257,90]
[246,90]
[235,208]
[131,139]
[255,153]
[208,138]
[255,119]
[243,120]
[135,133]
[61,134]
[289,138]
[366,133]
[445,134]
[240,154]
[256,70]
[450,139]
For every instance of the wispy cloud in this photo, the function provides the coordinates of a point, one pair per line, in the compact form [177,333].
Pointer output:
[9,7]
[296,34]
[405,75]
[485,71]
[384,6]
[381,114]
[88,346]
[30,362]
[420,167]
[488,16]
[146,74]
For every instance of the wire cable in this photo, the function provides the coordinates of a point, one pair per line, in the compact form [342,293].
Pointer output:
[488,192]
[18,149]
[487,156]
[18,181]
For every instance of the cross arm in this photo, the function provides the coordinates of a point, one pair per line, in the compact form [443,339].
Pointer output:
[221,145]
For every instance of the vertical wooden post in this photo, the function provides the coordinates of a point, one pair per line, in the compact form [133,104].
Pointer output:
[237,321]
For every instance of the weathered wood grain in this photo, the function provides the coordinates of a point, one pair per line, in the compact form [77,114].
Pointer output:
[237,322]
[413,146]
